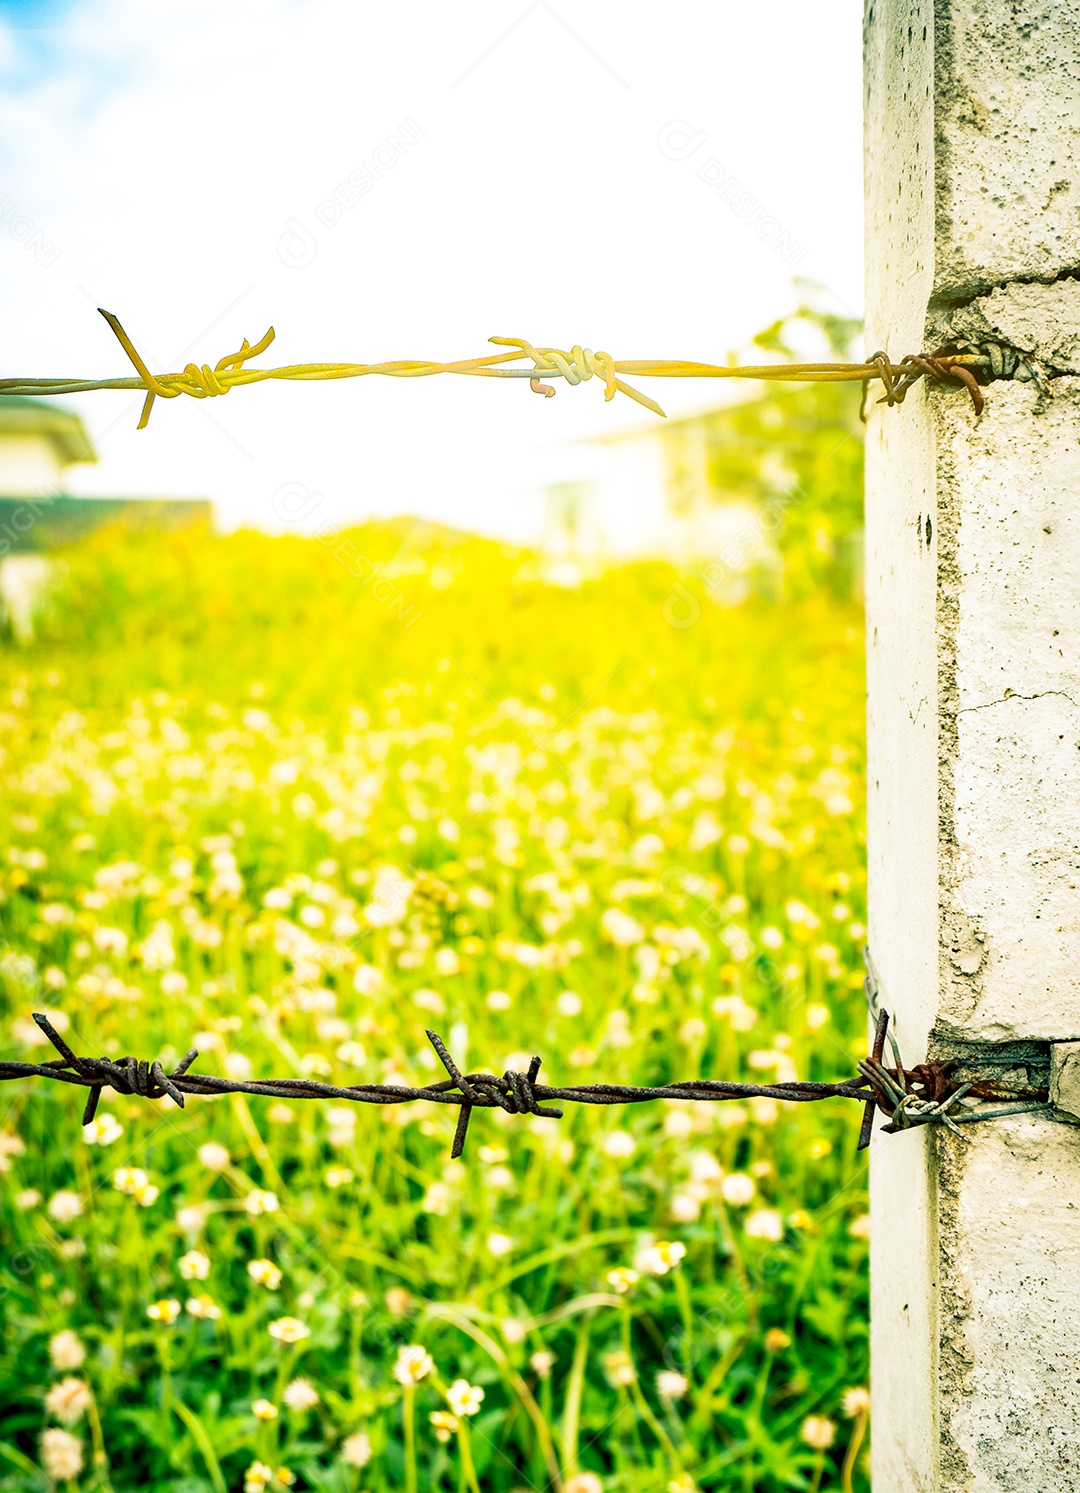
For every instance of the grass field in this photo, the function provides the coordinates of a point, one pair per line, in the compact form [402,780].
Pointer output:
[292,803]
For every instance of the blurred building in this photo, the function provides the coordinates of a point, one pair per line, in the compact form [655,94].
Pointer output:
[760,494]
[652,492]
[39,442]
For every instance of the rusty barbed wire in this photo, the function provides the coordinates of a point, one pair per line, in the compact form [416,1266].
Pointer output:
[924,1095]
[966,363]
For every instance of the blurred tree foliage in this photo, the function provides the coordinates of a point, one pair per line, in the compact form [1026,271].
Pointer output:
[796,451]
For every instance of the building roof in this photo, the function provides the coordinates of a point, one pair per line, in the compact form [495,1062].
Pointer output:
[61,427]
[40,525]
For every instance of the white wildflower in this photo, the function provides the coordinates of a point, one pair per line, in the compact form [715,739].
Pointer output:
[68,1400]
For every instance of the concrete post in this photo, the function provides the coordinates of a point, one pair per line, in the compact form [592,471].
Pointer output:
[973,599]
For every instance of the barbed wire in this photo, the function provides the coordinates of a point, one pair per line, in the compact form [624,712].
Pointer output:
[966,363]
[924,1095]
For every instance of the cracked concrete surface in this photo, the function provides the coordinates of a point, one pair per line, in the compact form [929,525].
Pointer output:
[1035,318]
[1012,695]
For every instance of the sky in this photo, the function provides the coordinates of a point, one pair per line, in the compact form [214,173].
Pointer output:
[404,181]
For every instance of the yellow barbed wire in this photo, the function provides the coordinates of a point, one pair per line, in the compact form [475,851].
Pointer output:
[575,366]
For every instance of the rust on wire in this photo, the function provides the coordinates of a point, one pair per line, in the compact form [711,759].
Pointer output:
[965,363]
[925,1095]
[876,1055]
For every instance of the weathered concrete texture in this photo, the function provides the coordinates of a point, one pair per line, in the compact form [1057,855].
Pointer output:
[899,167]
[902,734]
[1007,131]
[973,601]
[902,725]
[1010,1263]
[904,1269]
[1009,640]
[1065,1078]
[900,497]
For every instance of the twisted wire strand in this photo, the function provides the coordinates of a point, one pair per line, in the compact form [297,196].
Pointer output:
[578,365]
[912,1097]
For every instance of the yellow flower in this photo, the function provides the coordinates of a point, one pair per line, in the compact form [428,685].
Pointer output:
[264,1410]
[289,1330]
[464,1398]
[265,1273]
[102,1131]
[204,1307]
[776,1340]
[163,1311]
[445,1424]
[194,1265]
[413,1363]
[128,1179]
[659,1258]
[257,1477]
[622,1278]
[619,1369]
[258,1202]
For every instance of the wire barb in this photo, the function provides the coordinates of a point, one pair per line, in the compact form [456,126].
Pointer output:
[876,1052]
[964,362]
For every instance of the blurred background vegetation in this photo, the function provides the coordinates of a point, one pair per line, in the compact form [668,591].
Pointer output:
[293,801]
